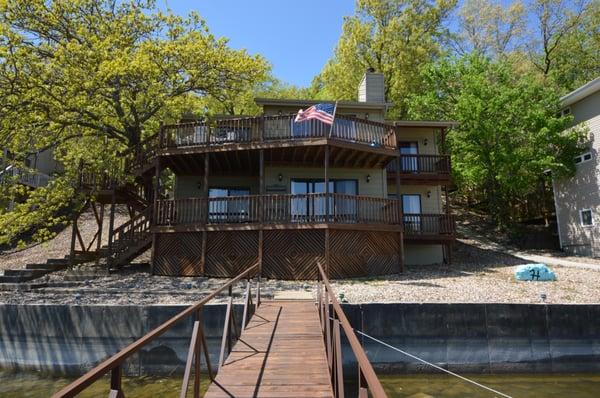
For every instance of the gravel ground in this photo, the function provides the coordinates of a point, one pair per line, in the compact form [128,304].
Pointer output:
[61,244]
[477,275]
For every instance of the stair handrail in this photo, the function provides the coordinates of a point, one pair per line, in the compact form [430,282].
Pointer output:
[114,363]
[330,326]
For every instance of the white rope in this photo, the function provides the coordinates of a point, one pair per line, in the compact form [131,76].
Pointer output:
[433,365]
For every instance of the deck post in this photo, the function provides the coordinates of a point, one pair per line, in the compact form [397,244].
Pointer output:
[205,214]
[100,227]
[111,224]
[261,204]
[326,181]
[73,237]
[400,216]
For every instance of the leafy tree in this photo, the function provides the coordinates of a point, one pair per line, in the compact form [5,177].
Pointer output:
[508,135]
[92,77]
[110,68]
[490,27]
[395,37]
[556,20]
[577,60]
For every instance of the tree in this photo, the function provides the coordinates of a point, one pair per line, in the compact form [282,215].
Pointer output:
[577,60]
[90,78]
[391,36]
[556,20]
[110,68]
[490,27]
[508,134]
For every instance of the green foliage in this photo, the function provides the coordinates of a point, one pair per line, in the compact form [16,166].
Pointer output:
[509,133]
[395,37]
[37,218]
[90,78]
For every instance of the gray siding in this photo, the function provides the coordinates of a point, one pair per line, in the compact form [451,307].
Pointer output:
[583,190]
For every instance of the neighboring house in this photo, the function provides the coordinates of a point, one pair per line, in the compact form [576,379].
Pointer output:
[288,195]
[577,199]
[36,170]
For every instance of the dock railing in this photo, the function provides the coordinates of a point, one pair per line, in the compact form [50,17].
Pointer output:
[198,346]
[368,383]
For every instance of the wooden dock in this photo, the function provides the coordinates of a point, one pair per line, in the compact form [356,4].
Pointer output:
[281,353]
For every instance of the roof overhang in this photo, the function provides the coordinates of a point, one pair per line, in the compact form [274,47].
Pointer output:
[424,123]
[341,104]
[580,93]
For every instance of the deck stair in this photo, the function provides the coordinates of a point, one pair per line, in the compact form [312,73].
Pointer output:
[33,271]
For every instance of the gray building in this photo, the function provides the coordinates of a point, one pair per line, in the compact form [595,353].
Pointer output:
[577,199]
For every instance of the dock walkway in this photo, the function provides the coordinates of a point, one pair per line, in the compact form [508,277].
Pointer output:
[280,353]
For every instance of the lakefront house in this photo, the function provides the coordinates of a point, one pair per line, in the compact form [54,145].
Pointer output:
[577,199]
[348,189]
[363,196]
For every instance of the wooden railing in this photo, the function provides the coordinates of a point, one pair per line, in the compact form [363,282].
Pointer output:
[368,383]
[130,234]
[413,164]
[305,208]
[109,178]
[429,224]
[198,346]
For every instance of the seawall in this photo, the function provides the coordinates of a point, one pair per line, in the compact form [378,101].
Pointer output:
[475,338]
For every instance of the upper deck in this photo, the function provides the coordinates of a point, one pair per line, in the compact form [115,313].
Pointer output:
[274,133]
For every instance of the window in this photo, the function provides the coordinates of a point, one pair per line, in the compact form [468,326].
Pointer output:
[564,112]
[584,157]
[585,216]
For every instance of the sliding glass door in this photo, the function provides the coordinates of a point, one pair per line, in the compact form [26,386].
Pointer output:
[306,207]
[409,163]
[411,207]
[224,210]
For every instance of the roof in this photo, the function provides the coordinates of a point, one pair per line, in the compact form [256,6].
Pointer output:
[302,102]
[423,123]
[580,93]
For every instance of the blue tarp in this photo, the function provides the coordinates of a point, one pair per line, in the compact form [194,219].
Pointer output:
[534,272]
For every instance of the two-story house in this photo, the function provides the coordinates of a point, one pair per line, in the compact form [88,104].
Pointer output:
[577,199]
[363,196]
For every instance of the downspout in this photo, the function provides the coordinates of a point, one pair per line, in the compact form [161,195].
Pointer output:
[560,241]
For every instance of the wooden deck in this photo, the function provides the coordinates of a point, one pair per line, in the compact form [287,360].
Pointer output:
[281,353]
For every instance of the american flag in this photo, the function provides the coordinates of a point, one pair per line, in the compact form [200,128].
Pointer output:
[322,112]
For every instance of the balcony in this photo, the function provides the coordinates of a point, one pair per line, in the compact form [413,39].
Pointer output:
[421,169]
[266,132]
[30,178]
[279,209]
[298,211]
[429,226]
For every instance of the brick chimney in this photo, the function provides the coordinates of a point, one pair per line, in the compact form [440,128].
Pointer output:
[371,87]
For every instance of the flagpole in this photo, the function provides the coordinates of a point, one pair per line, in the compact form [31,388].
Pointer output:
[334,111]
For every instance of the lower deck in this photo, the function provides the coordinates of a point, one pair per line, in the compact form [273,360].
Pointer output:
[266,361]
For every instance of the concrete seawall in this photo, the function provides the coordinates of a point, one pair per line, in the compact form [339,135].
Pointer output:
[479,338]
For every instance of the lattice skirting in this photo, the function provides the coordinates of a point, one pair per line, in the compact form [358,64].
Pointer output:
[287,254]
[362,253]
[178,254]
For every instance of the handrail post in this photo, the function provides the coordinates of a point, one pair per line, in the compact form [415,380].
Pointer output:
[115,383]
[339,372]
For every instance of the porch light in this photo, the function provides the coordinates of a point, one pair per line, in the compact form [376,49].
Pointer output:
[429,194]
[368,177]
[425,142]
[280,177]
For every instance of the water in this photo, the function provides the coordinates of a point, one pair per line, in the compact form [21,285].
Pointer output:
[34,385]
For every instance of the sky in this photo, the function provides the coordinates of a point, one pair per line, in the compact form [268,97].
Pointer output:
[296,37]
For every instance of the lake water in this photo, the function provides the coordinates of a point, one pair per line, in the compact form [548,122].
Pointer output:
[34,385]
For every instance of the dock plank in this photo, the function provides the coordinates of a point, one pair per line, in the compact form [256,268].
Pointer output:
[280,354]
